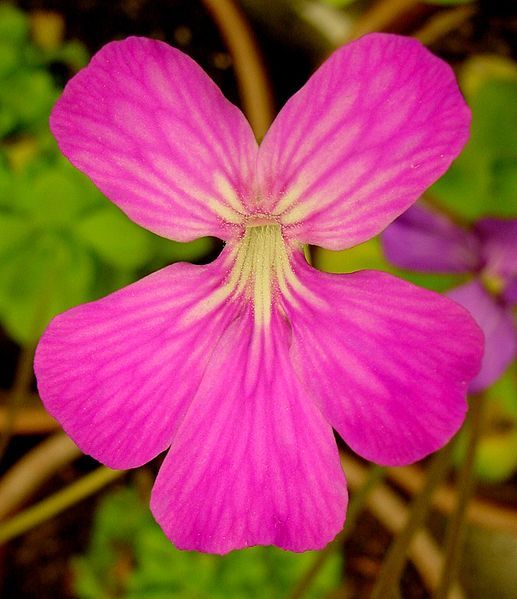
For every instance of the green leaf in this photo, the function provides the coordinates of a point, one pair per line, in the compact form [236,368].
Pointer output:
[73,53]
[160,571]
[53,197]
[494,108]
[43,278]
[30,95]
[9,57]
[465,187]
[5,182]
[479,181]
[15,231]
[114,238]
[14,25]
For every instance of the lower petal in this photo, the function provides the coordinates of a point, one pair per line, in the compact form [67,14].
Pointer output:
[497,323]
[254,462]
[119,373]
[389,362]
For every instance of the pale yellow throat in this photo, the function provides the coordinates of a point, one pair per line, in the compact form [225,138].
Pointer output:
[262,267]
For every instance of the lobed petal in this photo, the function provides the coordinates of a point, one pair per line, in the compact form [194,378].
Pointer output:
[497,323]
[157,136]
[427,241]
[119,373]
[378,122]
[389,362]
[254,462]
[510,292]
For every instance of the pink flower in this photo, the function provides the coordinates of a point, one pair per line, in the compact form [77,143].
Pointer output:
[428,241]
[244,366]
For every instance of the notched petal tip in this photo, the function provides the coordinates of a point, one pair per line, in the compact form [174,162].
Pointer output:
[377,123]
[254,462]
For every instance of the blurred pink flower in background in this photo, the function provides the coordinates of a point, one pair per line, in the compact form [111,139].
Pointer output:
[245,365]
[427,241]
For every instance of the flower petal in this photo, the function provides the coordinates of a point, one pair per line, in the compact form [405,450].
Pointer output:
[156,135]
[497,323]
[379,122]
[510,292]
[389,362]
[119,373]
[499,245]
[427,241]
[254,462]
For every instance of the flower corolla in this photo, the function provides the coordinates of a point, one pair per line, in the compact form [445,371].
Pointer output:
[244,366]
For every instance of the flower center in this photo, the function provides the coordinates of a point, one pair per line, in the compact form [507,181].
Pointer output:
[493,283]
[261,267]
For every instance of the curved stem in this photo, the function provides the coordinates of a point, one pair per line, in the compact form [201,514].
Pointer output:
[443,23]
[380,16]
[33,469]
[251,75]
[456,528]
[481,512]
[57,503]
[395,560]
[30,420]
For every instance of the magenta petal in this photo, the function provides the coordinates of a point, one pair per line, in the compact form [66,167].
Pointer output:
[119,373]
[389,362]
[499,245]
[254,462]
[510,292]
[379,122]
[427,241]
[156,135]
[497,323]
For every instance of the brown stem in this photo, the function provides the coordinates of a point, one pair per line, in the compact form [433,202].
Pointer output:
[480,512]
[33,469]
[456,528]
[443,23]
[252,80]
[28,420]
[396,558]
[380,16]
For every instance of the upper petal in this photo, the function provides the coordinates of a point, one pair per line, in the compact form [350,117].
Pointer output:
[497,323]
[499,246]
[379,122]
[119,373]
[254,462]
[157,136]
[389,362]
[427,241]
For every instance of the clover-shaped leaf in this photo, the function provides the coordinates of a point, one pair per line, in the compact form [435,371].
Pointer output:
[481,180]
